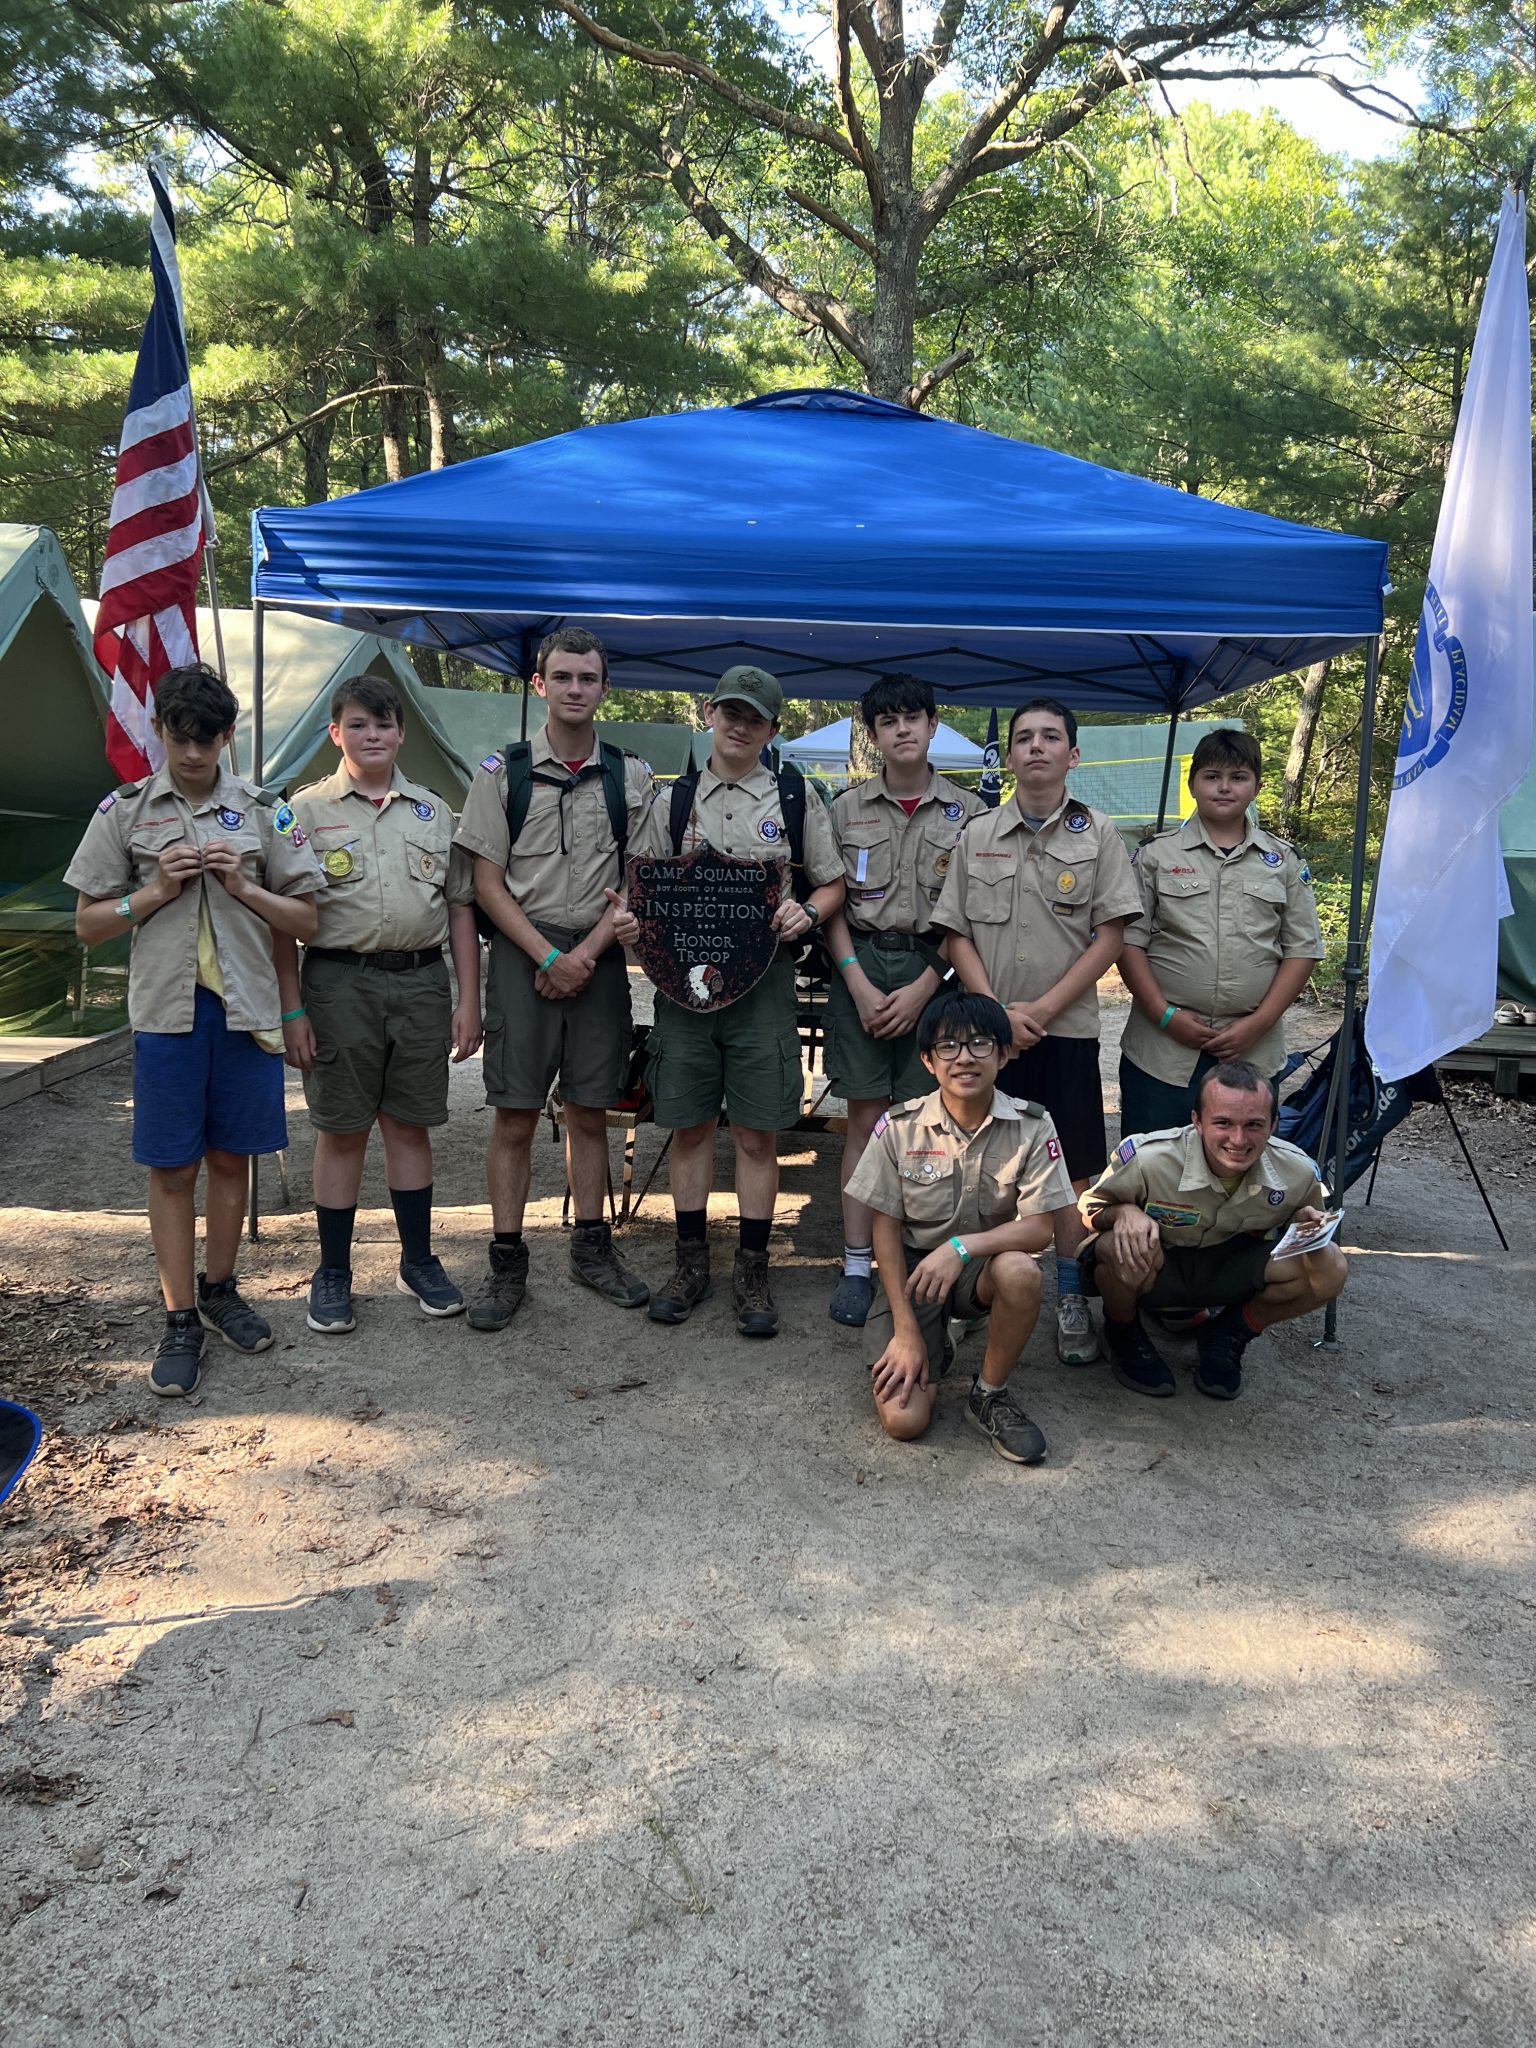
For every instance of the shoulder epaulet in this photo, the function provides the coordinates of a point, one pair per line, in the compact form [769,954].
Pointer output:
[1029,1108]
[128,789]
[271,798]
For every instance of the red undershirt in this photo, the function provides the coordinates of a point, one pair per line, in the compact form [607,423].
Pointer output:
[909,803]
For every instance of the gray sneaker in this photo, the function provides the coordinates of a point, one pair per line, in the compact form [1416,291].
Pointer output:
[177,1369]
[596,1264]
[505,1286]
[330,1301]
[435,1293]
[220,1309]
[1004,1424]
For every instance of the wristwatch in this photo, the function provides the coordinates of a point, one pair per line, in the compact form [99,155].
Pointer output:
[812,913]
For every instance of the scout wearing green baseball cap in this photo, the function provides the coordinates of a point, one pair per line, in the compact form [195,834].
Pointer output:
[745,684]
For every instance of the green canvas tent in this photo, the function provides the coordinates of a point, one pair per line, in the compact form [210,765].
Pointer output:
[478,722]
[1517,933]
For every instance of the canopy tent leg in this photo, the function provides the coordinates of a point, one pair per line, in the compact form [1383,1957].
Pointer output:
[1162,795]
[258,649]
[1354,959]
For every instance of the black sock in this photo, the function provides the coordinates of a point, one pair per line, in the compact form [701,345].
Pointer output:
[413,1220]
[336,1236]
[754,1233]
[592,1223]
[692,1225]
[506,1237]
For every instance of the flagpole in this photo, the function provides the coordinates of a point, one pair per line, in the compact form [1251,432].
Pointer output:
[218,628]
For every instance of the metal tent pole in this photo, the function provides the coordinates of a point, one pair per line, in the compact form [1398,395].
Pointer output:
[258,650]
[1354,955]
[1162,795]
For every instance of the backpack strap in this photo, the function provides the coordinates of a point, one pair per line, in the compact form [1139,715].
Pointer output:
[522,775]
[517,755]
[683,792]
[792,804]
[618,808]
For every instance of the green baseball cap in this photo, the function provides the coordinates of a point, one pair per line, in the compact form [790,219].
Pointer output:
[745,684]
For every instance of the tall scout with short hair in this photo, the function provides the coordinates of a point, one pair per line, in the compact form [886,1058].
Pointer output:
[1226,941]
[557,992]
[748,1054]
[372,1017]
[897,836]
[1035,904]
[203,869]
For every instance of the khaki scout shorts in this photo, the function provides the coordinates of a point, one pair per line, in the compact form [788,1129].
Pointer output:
[381,1043]
[746,1055]
[865,1069]
[932,1316]
[529,1038]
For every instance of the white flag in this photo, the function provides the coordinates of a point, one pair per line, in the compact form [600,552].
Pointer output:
[1466,739]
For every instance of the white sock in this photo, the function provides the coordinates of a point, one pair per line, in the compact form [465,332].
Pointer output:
[858,1262]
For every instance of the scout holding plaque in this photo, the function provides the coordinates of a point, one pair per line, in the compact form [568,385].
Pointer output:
[745,1052]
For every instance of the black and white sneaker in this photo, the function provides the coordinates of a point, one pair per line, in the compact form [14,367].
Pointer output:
[434,1291]
[1004,1424]
[1136,1361]
[177,1369]
[330,1301]
[221,1309]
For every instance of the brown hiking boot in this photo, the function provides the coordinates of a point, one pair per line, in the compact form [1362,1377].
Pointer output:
[688,1286]
[596,1264]
[756,1315]
[505,1285]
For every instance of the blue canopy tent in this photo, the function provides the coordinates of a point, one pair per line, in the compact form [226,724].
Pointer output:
[834,538]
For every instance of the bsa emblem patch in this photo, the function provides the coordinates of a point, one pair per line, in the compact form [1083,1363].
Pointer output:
[283,820]
[1127,1152]
[231,820]
[1276,1197]
[941,865]
[768,830]
[491,763]
[424,811]
[1270,860]
[954,810]
[427,863]
[1077,822]
[1066,881]
[106,803]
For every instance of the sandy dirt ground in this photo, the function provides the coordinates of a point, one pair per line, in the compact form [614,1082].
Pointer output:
[605,1684]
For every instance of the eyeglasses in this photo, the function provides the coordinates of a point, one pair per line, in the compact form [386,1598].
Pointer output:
[948,1049]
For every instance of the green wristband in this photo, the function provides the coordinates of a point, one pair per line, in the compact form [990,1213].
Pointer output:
[965,1257]
[549,960]
[1168,1016]
[292,1016]
[851,961]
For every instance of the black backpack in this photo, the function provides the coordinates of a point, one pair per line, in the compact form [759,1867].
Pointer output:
[522,775]
[791,802]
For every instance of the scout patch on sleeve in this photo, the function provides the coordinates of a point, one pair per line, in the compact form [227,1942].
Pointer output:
[491,763]
[106,803]
[300,836]
[1306,873]
[1127,1152]
[424,811]
[1176,1218]
[1052,1149]
[283,820]
[882,1124]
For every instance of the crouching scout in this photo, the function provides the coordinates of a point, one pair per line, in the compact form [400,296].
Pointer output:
[747,1054]
[203,869]
[897,836]
[548,821]
[963,1186]
[1183,1219]
[371,1017]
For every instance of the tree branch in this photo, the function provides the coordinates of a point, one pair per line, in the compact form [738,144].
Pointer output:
[961,168]
[309,420]
[942,43]
[762,111]
[847,99]
[829,217]
[917,395]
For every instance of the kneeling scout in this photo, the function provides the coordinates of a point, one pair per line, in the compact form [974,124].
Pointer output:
[371,1018]
[964,1186]
[1186,1219]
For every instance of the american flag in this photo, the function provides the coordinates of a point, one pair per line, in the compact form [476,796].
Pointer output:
[147,620]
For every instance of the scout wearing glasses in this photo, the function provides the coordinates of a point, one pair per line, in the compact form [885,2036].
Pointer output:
[962,1186]
[1035,903]
[1226,941]
[371,1018]
[204,870]
[557,989]
[1185,1219]
[748,1054]
[897,835]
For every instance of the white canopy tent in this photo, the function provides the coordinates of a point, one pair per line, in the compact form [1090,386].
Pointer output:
[831,747]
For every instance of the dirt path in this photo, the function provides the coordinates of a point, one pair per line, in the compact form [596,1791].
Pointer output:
[612,1685]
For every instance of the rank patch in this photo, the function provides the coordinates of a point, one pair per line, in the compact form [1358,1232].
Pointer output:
[941,864]
[1066,881]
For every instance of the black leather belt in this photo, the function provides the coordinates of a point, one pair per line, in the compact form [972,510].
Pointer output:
[387,963]
[891,942]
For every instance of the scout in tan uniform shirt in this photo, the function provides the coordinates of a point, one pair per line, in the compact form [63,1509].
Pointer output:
[204,869]
[1035,903]
[1184,1218]
[748,1054]
[372,1018]
[962,1186]
[897,836]
[1225,942]
[557,990]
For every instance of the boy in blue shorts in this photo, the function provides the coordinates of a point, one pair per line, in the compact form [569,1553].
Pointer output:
[203,868]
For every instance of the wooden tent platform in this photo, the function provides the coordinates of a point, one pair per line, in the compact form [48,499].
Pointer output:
[29,1065]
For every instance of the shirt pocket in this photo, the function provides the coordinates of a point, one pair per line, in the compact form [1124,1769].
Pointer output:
[146,843]
[869,860]
[427,858]
[1263,909]
[936,849]
[930,1202]
[1067,886]
[540,837]
[989,887]
[341,854]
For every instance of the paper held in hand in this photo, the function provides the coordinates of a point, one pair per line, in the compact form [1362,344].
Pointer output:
[1308,1237]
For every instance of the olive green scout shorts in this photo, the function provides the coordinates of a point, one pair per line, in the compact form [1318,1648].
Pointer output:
[381,1042]
[1196,1276]
[932,1316]
[746,1055]
[865,1069]
[529,1038]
